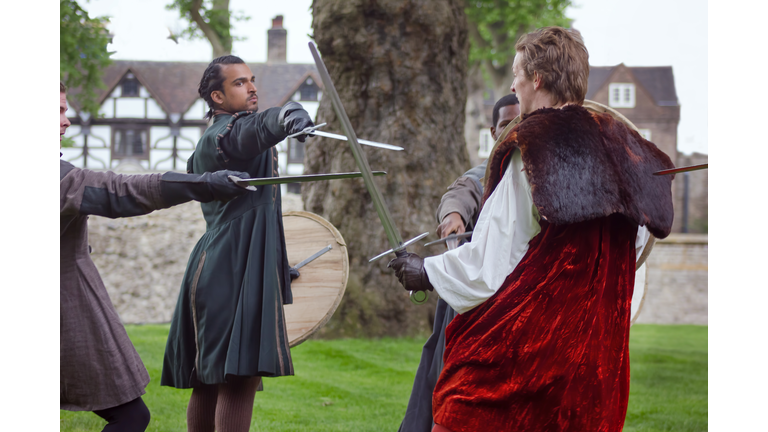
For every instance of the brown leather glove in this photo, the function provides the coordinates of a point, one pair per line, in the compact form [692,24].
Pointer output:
[410,271]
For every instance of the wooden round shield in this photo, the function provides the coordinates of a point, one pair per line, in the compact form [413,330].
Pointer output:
[318,291]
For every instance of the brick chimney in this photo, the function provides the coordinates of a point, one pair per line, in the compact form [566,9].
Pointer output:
[276,41]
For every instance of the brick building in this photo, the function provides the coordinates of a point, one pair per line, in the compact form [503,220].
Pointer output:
[647,97]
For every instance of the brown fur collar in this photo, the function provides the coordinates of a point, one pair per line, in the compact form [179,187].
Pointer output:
[584,165]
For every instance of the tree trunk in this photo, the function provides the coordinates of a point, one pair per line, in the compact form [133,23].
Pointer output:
[400,69]
[220,18]
[475,113]
[217,31]
[502,78]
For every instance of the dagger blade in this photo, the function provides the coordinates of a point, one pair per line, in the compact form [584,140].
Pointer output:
[314,256]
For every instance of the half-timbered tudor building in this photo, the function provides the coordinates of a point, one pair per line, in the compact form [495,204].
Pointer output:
[151,116]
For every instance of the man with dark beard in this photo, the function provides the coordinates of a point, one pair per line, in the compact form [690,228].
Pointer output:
[545,286]
[228,329]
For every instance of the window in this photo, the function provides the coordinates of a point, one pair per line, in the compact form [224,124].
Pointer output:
[621,95]
[486,144]
[130,142]
[295,151]
[645,133]
[129,86]
[308,91]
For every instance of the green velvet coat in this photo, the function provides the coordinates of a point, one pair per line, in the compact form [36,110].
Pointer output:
[229,318]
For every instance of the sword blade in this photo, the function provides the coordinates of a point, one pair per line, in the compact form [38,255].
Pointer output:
[298,179]
[314,256]
[361,141]
[393,235]
[681,169]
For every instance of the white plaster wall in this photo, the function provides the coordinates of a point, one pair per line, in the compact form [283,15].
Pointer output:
[154,111]
[129,108]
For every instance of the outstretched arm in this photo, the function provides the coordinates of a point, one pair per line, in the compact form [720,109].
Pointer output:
[86,192]
[253,134]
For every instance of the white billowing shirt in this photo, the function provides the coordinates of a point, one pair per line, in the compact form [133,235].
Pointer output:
[463,277]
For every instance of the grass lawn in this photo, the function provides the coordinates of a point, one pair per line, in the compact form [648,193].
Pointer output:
[363,385]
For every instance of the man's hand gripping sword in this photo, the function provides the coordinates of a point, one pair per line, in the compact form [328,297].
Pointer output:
[393,235]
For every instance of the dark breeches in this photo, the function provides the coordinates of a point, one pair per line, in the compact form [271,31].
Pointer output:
[128,417]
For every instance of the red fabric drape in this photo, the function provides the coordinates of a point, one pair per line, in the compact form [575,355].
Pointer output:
[549,351]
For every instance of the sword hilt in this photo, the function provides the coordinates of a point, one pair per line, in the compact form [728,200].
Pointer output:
[417,297]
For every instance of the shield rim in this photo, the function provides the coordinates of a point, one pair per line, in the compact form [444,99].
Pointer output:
[345,274]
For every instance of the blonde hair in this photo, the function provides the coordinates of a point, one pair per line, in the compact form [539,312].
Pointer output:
[560,58]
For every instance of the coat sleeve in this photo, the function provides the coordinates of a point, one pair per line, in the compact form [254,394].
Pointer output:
[253,134]
[464,197]
[86,192]
[477,173]
[467,276]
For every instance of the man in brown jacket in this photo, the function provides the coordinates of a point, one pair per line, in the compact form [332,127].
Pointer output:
[100,370]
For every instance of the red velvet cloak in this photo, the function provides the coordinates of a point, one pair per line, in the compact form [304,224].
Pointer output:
[549,351]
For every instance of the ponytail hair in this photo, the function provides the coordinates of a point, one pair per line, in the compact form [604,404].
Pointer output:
[212,80]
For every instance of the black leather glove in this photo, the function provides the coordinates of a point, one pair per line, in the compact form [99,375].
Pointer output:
[410,271]
[177,188]
[294,272]
[293,119]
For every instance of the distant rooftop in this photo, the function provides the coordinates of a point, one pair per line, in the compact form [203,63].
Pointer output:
[174,84]
[658,80]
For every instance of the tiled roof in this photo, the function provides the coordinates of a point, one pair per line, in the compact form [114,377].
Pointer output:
[658,81]
[597,77]
[174,84]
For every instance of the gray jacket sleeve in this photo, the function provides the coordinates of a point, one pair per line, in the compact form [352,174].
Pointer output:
[477,173]
[464,196]
[86,192]
[253,134]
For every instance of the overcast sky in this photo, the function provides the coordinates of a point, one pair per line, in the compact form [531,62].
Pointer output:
[636,33]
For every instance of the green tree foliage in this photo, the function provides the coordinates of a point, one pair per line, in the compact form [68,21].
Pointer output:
[209,19]
[495,26]
[83,53]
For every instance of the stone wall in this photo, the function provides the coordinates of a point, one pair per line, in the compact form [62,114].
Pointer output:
[142,259]
[677,281]
[142,262]
[698,195]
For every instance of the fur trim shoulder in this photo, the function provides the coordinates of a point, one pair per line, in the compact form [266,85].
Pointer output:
[583,165]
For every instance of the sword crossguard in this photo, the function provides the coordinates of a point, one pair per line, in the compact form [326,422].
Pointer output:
[307,130]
